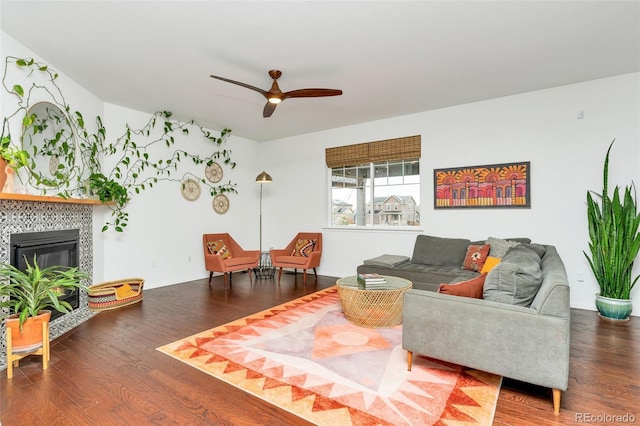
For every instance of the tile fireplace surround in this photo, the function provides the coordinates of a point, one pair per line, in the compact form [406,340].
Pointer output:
[17,216]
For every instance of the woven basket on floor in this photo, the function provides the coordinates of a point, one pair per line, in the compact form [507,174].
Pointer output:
[115,294]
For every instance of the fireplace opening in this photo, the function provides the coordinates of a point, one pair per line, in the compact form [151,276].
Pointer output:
[50,248]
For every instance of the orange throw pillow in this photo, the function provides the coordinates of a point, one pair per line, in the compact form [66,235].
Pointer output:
[475,257]
[219,248]
[470,288]
[303,247]
[489,264]
[124,291]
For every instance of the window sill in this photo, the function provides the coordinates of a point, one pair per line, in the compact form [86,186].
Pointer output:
[405,229]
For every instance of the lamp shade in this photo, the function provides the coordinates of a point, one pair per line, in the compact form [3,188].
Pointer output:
[264,178]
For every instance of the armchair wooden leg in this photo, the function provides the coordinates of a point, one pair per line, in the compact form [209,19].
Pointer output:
[304,277]
[250,272]
[557,393]
[315,272]
[210,276]
[409,360]
[279,274]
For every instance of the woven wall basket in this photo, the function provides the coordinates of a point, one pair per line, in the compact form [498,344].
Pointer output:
[115,294]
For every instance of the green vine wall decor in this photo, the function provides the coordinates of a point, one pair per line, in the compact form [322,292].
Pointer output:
[138,159]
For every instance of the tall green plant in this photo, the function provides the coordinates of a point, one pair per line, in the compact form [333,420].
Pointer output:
[614,237]
[29,292]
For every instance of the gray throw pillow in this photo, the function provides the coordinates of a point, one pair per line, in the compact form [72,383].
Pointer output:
[523,240]
[522,253]
[430,250]
[500,246]
[516,280]
[538,248]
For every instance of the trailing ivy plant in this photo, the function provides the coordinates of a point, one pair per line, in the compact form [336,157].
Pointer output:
[136,164]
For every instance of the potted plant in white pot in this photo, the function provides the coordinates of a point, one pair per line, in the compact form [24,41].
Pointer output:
[614,242]
[30,294]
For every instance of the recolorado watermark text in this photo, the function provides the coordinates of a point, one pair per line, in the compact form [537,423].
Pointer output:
[605,418]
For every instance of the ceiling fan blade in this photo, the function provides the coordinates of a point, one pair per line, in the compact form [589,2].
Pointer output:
[248,86]
[311,93]
[276,95]
[268,109]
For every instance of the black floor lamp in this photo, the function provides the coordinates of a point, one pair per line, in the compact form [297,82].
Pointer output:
[265,270]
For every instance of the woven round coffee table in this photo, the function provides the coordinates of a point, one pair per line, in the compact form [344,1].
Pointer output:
[373,308]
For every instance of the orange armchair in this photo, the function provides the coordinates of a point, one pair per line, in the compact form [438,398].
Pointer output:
[305,255]
[223,254]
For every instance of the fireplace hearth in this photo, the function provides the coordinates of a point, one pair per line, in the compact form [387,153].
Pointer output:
[35,216]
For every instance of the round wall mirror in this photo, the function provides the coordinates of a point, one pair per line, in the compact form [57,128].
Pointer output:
[48,138]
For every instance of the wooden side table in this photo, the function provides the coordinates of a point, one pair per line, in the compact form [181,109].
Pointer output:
[373,308]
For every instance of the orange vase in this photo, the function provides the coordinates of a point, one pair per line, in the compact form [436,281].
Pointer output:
[3,174]
[30,338]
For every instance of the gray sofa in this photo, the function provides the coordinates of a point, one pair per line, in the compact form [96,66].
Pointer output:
[519,330]
[435,260]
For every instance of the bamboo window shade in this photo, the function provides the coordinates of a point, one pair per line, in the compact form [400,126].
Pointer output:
[370,152]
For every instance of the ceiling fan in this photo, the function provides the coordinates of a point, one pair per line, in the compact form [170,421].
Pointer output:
[274,95]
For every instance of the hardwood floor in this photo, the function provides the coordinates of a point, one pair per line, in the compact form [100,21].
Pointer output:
[107,371]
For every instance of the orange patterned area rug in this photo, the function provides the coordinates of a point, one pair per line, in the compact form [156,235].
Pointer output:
[305,357]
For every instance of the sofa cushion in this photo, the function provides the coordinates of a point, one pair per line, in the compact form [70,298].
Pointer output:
[389,260]
[292,260]
[430,250]
[500,246]
[475,257]
[219,248]
[538,248]
[470,288]
[303,247]
[423,277]
[240,261]
[516,279]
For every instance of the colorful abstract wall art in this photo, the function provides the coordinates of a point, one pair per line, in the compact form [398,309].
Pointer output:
[496,185]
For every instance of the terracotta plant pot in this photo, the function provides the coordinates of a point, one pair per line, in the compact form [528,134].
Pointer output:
[3,174]
[31,336]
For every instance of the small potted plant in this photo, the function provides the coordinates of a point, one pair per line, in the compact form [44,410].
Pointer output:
[614,243]
[11,159]
[28,295]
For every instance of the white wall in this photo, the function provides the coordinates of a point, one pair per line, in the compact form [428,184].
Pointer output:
[163,240]
[566,155]
[76,96]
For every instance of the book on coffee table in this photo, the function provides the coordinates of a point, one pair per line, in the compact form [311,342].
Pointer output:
[371,281]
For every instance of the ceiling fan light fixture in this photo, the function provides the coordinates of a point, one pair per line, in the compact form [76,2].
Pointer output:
[274,95]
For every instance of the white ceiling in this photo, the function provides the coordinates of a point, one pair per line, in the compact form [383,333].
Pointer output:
[390,58]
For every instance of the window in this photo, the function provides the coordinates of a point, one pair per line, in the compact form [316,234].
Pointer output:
[381,192]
